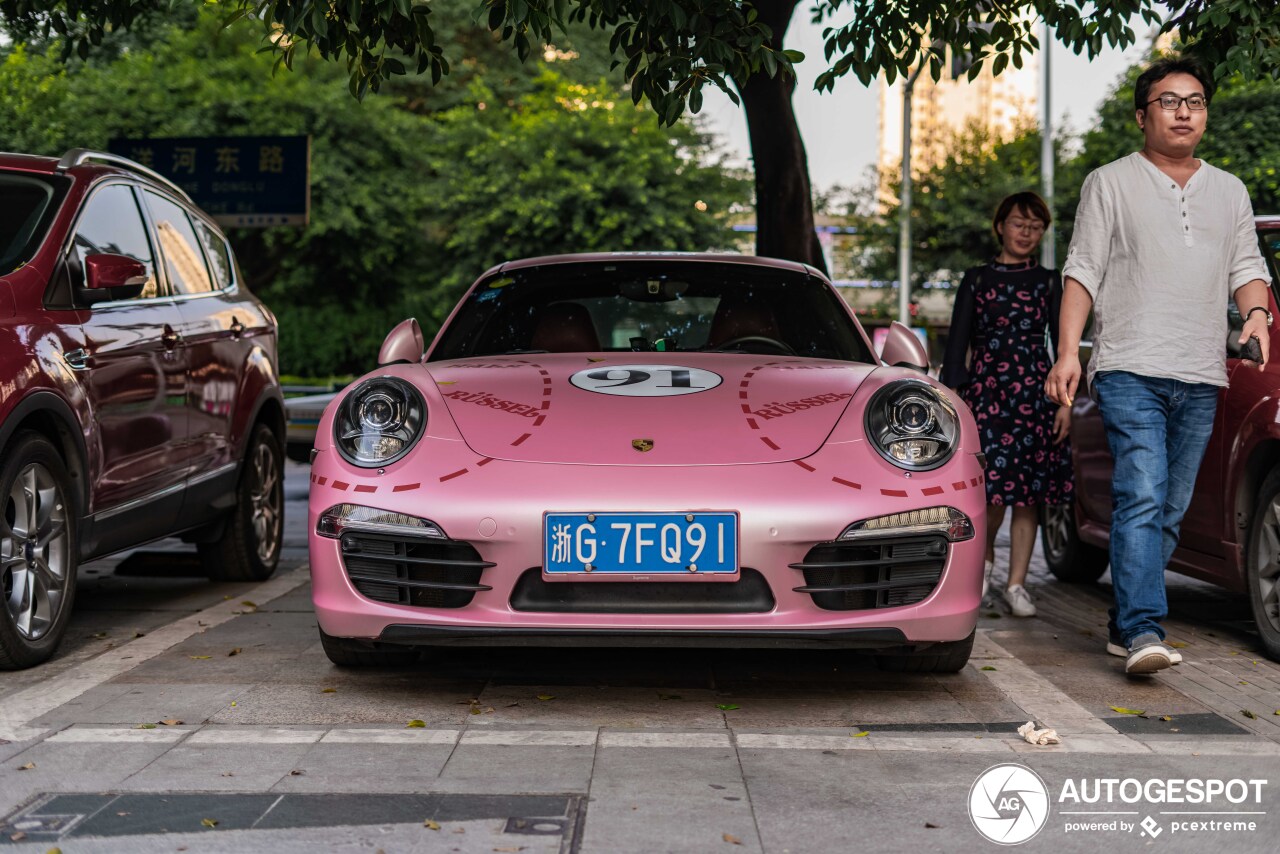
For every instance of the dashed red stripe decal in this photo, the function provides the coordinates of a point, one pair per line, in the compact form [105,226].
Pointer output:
[742,395]
[342,485]
[485,461]
[458,473]
[520,441]
[770,443]
[746,409]
[847,483]
[744,383]
[804,465]
[546,404]
[894,493]
[751,422]
[974,481]
[313,478]
[933,490]
[365,488]
[537,422]
[959,485]
[405,487]
[322,480]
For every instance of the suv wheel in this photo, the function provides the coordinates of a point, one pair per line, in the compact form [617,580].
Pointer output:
[1262,564]
[1068,558]
[250,546]
[38,551]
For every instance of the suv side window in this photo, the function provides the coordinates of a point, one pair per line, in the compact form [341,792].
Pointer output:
[111,222]
[218,253]
[183,259]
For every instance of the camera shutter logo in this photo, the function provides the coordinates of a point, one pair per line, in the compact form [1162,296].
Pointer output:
[1009,804]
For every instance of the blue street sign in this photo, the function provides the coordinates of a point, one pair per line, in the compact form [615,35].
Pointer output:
[241,181]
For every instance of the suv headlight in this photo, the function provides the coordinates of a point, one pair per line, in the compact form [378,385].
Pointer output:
[912,425]
[379,422]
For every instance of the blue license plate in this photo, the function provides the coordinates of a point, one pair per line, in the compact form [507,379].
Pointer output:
[641,543]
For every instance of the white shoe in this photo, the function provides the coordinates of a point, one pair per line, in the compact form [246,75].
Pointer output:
[1116,649]
[1147,654]
[987,568]
[1019,601]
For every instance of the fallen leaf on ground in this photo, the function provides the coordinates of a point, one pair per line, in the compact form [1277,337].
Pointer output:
[122,813]
[415,724]
[1234,652]
[512,848]
[930,824]
[139,634]
[99,634]
[1276,712]
[459,830]
[249,604]
[731,839]
[1125,711]
[431,825]
[328,690]
[727,707]
[170,722]
[988,667]
[545,697]
[209,822]
[235,651]
[510,705]
[30,766]
[862,734]
[297,772]
[17,837]
[1176,644]
[992,615]
[227,774]
[1165,718]
[233,704]
[1248,714]
[670,697]
[199,657]
[145,726]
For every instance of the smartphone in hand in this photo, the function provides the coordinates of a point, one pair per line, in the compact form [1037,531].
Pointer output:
[1251,350]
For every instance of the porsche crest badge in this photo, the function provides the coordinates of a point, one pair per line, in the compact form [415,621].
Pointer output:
[642,445]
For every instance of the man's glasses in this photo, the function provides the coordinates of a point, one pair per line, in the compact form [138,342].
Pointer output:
[1172,102]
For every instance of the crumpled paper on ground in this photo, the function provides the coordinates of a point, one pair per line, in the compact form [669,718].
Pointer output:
[1038,737]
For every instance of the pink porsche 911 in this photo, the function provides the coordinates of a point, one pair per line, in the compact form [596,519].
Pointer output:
[648,449]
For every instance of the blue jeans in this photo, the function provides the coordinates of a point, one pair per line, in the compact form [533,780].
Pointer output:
[1158,430]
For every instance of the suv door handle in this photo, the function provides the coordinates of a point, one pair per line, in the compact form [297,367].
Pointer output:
[78,359]
[169,338]
[237,328]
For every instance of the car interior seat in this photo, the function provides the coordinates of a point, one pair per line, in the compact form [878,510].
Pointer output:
[565,327]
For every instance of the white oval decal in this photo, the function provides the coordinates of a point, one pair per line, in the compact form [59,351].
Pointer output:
[645,380]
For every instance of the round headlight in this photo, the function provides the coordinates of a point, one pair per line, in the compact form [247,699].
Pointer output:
[912,425]
[379,422]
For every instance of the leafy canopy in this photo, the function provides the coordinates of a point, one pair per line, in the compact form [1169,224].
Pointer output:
[671,49]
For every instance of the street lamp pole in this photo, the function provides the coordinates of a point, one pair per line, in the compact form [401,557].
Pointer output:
[904,206]
[1048,247]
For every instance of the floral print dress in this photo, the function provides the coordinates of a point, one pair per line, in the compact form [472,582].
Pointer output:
[1000,317]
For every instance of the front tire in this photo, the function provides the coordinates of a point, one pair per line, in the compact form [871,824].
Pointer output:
[249,549]
[1262,565]
[947,657]
[1069,559]
[348,652]
[39,551]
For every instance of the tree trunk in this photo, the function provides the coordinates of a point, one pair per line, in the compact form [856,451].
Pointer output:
[784,200]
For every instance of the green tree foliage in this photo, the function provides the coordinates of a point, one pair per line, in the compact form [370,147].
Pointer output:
[407,207]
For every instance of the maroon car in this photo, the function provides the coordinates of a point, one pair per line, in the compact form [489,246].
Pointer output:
[138,388]
[1231,532]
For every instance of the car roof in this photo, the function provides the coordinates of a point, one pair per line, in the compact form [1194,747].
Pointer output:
[1267,222]
[28,162]
[639,257]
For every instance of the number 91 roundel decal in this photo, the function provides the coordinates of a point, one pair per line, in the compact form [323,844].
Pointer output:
[645,380]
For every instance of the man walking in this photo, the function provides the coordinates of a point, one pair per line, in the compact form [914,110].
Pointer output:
[1161,242]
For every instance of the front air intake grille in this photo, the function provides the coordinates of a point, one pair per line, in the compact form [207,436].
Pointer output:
[421,571]
[866,574]
[750,594]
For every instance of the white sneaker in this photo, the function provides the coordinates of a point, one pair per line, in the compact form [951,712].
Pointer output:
[1019,601]
[1147,654]
[987,568]
[1116,649]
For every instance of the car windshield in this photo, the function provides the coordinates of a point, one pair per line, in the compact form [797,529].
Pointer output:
[26,208]
[659,306]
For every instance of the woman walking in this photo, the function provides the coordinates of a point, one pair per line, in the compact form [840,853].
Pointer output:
[1006,320]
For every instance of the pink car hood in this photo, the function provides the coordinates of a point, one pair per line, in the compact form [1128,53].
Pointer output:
[765,409]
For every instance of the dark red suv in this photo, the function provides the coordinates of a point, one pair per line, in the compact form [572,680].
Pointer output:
[1230,535]
[139,395]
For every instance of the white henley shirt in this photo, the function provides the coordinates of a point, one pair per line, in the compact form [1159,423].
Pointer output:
[1161,262]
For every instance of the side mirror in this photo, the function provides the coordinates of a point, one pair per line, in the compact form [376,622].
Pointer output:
[109,276]
[903,349]
[402,344]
